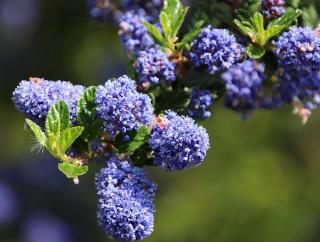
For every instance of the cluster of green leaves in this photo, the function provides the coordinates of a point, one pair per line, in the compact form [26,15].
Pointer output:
[172,17]
[58,138]
[260,33]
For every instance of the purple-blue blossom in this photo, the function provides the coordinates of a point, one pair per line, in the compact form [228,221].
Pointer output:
[200,104]
[122,107]
[125,205]
[243,83]
[272,9]
[104,10]
[152,66]
[151,7]
[112,11]
[215,50]
[302,86]
[298,50]
[35,97]
[133,34]
[177,142]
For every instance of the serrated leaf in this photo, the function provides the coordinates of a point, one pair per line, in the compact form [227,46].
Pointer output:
[257,22]
[154,32]
[72,170]
[255,51]
[58,119]
[68,137]
[245,29]
[273,31]
[189,37]
[87,114]
[165,24]
[137,139]
[278,25]
[37,131]
[179,21]
[286,19]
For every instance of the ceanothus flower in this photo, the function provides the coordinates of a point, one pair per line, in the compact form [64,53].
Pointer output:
[272,9]
[104,10]
[111,10]
[151,7]
[302,86]
[178,142]
[215,49]
[133,34]
[200,103]
[122,107]
[298,50]
[125,205]
[152,65]
[35,97]
[243,84]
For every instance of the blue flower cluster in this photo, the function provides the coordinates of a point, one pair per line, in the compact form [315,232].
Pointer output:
[133,34]
[111,10]
[125,206]
[178,142]
[200,104]
[243,84]
[152,65]
[272,9]
[298,50]
[122,107]
[304,87]
[104,10]
[215,49]
[151,7]
[35,97]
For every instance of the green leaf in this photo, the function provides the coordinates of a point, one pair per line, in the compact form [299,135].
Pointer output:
[72,170]
[165,24]
[273,31]
[68,137]
[189,37]
[286,19]
[36,129]
[245,27]
[58,119]
[87,114]
[278,25]
[258,22]
[171,19]
[154,32]
[255,51]
[137,139]
[182,12]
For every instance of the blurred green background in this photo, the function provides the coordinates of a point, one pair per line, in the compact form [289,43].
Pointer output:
[260,181]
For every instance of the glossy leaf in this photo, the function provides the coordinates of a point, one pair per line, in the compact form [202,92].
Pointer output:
[87,114]
[68,137]
[255,51]
[37,131]
[58,119]
[154,32]
[72,170]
